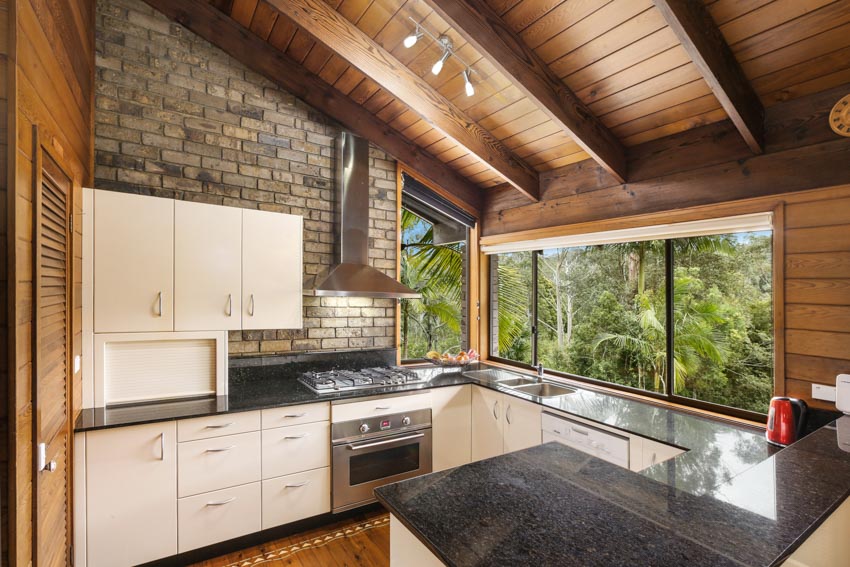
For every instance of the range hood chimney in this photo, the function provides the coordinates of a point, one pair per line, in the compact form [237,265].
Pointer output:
[351,275]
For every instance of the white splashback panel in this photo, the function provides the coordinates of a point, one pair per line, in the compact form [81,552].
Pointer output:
[139,367]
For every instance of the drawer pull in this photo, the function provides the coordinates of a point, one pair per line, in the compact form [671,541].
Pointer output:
[382,407]
[579,431]
[302,436]
[296,414]
[220,450]
[219,426]
[297,484]
[221,502]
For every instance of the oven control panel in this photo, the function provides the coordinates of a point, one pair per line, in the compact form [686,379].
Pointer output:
[359,428]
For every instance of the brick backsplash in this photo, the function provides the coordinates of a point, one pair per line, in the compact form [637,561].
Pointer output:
[176,117]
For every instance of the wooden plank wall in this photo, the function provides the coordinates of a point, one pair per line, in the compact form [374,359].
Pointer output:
[51,87]
[4,281]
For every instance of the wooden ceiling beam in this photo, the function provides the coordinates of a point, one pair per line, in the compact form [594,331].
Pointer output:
[333,30]
[482,27]
[209,23]
[702,39]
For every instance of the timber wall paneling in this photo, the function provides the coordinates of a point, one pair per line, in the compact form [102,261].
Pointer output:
[50,86]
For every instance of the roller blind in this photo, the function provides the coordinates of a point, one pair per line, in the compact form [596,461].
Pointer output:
[726,225]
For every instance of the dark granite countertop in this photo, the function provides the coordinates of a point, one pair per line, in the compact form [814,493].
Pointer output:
[553,505]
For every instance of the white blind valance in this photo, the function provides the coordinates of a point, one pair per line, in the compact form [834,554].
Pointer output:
[726,225]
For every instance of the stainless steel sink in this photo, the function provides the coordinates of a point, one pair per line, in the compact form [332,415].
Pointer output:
[492,375]
[545,390]
[516,382]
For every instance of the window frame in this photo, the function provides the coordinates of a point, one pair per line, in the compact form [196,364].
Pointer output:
[669,395]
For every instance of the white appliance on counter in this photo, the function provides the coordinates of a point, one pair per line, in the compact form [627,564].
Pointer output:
[602,444]
[842,393]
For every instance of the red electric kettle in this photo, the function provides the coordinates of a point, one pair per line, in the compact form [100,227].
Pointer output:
[785,421]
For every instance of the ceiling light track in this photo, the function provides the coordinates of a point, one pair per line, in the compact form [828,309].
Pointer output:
[447,46]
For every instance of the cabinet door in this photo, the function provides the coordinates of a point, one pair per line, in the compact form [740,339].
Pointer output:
[131,494]
[207,267]
[134,263]
[655,452]
[487,423]
[271,270]
[523,426]
[451,426]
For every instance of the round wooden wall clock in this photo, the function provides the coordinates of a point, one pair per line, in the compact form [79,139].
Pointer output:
[839,117]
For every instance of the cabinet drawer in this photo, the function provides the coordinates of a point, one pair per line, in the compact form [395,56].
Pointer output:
[296,496]
[211,464]
[380,406]
[217,425]
[296,415]
[296,448]
[218,516]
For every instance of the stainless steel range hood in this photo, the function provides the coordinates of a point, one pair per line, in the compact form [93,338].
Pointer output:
[351,275]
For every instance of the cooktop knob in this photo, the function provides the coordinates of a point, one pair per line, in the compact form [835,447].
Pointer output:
[405,420]
[364,428]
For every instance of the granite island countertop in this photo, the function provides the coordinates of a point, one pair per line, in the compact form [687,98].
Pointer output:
[553,505]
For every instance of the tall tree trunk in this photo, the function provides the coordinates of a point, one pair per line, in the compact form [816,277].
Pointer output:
[569,318]
[641,268]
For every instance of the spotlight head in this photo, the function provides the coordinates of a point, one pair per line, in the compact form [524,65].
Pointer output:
[470,90]
[438,66]
[411,40]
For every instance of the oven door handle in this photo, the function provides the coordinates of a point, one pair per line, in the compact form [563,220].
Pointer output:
[385,442]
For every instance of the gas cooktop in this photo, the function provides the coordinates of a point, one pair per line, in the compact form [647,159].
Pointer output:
[346,380]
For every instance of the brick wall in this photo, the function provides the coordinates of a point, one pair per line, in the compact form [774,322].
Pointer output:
[176,117]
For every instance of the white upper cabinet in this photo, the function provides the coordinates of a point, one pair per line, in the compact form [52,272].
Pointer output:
[271,270]
[207,267]
[133,263]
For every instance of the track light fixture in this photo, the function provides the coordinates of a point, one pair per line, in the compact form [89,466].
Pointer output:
[448,51]
[411,40]
[470,90]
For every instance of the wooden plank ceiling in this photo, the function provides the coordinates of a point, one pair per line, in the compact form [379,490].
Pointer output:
[619,57]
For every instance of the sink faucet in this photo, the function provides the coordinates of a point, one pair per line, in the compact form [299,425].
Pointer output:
[540,372]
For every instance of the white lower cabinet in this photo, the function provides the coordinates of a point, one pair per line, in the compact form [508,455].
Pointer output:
[220,462]
[487,424]
[296,496]
[296,448]
[131,494]
[217,516]
[451,426]
[502,423]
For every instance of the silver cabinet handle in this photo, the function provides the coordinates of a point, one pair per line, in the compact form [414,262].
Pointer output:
[162,446]
[653,458]
[159,304]
[221,502]
[387,442]
[495,408]
[219,426]
[579,431]
[508,415]
[220,449]
[295,414]
[251,306]
[382,407]
[297,484]
[302,436]
[229,310]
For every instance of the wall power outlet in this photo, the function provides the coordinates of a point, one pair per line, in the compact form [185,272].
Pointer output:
[825,393]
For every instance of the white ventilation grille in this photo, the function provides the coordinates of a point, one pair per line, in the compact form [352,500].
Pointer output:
[136,371]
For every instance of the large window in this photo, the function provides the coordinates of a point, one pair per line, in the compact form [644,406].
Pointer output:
[604,312]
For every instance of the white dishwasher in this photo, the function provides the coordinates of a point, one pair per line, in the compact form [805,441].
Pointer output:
[607,446]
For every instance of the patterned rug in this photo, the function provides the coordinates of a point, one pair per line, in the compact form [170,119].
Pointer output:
[313,542]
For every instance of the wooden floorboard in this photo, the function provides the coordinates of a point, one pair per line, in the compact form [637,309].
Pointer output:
[361,541]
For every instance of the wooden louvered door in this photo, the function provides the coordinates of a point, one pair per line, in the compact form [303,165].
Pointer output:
[52,253]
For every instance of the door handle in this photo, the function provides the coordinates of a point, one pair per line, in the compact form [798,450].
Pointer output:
[382,407]
[302,436]
[387,442]
[508,415]
[43,464]
[219,426]
[220,449]
[159,304]
[251,306]
[297,484]
[162,446]
[302,414]
[495,408]
[229,305]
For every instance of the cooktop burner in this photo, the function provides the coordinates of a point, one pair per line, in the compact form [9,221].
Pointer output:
[343,380]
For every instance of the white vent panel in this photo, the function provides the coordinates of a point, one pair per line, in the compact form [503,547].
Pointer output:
[135,371]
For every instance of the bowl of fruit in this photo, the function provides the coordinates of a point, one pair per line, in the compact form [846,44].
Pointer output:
[448,359]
